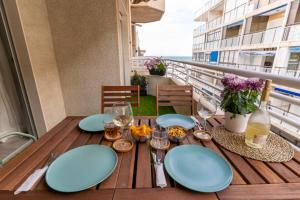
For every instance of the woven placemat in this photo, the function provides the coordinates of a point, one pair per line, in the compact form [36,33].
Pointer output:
[276,150]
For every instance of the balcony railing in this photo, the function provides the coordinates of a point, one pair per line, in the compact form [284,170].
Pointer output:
[214,23]
[208,5]
[198,47]
[268,36]
[230,42]
[212,45]
[200,29]
[292,33]
[235,13]
[206,79]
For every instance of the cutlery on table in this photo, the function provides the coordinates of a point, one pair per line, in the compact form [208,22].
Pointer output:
[36,176]
[159,169]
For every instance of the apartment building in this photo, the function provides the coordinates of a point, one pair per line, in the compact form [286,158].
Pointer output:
[261,35]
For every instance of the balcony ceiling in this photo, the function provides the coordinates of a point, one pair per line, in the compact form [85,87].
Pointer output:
[149,11]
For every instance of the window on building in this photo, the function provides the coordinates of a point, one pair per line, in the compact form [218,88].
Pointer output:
[294,61]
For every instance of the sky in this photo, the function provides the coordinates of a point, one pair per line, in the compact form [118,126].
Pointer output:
[173,34]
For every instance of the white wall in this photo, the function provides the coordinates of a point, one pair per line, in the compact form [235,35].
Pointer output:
[282,57]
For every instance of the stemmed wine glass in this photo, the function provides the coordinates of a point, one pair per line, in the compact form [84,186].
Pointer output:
[122,115]
[207,107]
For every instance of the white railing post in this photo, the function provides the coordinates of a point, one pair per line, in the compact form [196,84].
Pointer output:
[187,76]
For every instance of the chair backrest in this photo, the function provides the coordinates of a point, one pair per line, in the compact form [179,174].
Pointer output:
[113,94]
[174,95]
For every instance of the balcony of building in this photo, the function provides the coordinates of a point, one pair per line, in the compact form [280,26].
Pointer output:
[232,34]
[210,7]
[154,9]
[234,10]
[265,28]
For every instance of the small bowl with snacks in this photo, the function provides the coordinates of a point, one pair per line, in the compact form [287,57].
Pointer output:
[141,133]
[176,133]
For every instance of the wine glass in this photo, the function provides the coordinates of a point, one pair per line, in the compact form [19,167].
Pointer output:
[122,114]
[207,107]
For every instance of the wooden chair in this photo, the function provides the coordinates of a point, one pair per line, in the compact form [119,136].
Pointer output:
[113,94]
[174,95]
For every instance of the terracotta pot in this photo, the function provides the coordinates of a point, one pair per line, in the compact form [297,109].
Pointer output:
[238,124]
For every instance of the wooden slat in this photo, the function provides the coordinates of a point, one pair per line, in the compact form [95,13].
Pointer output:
[27,167]
[294,166]
[174,98]
[297,156]
[119,88]
[243,167]
[19,159]
[284,172]
[143,173]
[50,195]
[125,178]
[119,99]
[126,172]
[111,181]
[166,193]
[265,171]
[143,170]
[119,94]
[261,191]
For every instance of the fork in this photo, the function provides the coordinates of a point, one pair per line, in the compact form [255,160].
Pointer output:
[36,175]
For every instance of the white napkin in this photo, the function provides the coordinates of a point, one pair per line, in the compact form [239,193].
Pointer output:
[31,180]
[160,175]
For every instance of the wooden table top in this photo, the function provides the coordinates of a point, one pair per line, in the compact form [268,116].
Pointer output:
[134,176]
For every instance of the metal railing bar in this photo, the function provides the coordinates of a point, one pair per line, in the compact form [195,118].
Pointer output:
[277,79]
[285,119]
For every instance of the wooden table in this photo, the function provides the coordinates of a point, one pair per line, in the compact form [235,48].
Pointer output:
[134,176]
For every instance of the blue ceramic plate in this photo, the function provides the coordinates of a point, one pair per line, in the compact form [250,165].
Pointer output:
[81,168]
[94,123]
[175,120]
[198,168]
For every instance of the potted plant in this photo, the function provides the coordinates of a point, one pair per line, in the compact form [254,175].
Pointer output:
[156,66]
[240,98]
[137,79]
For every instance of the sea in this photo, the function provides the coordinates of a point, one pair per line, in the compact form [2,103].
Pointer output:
[182,58]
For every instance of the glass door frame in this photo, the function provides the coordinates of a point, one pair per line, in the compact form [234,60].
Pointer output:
[16,72]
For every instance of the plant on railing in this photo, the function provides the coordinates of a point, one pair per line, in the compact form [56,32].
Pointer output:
[240,98]
[140,80]
[156,66]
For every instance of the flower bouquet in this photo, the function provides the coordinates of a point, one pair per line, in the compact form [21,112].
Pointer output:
[156,66]
[239,100]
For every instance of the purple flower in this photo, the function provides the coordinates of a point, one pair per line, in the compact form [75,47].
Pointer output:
[237,85]
[227,79]
[152,63]
[254,83]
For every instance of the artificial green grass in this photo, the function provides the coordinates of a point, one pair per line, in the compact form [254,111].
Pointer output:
[148,107]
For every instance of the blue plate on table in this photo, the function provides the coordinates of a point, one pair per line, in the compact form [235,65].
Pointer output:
[175,120]
[81,168]
[94,123]
[198,168]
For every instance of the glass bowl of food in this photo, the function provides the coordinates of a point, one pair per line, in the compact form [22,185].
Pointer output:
[176,133]
[141,133]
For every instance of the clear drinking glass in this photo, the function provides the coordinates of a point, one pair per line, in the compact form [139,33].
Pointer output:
[206,108]
[122,115]
[160,139]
